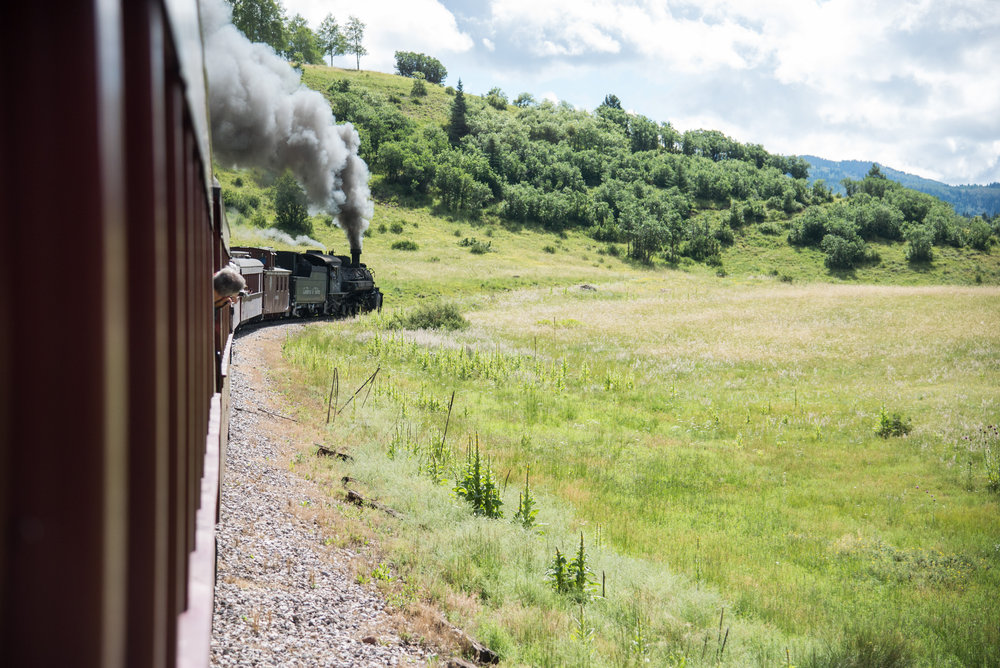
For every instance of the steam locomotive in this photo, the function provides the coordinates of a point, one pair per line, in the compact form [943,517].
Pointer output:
[284,284]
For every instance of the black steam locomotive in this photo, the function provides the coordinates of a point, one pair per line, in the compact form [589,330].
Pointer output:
[285,284]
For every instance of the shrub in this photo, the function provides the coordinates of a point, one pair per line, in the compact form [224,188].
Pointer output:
[841,252]
[404,244]
[810,228]
[439,315]
[479,487]
[771,229]
[549,249]
[724,233]
[419,88]
[921,241]
[475,246]
[341,86]
[396,228]
[892,425]
[572,577]
[702,246]
[979,235]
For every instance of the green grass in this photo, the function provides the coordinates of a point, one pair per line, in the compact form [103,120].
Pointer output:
[433,107]
[714,439]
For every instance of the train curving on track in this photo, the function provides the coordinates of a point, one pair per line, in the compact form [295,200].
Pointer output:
[286,284]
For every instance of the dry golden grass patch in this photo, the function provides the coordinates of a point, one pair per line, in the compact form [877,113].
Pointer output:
[759,323]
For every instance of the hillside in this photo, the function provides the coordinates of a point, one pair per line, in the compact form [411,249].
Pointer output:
[748,456]
[712,437]
[632,186]
[968,200]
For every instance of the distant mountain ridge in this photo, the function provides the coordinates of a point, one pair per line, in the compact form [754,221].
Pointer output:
[967,200]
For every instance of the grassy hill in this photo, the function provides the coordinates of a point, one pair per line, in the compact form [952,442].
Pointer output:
[382,105]
[766,461]
[712,437]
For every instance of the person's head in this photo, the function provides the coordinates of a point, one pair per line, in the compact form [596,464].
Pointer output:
[227,283]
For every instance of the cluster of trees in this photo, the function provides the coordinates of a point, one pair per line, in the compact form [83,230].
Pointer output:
[879,209]
[410,64]
[622,177]
[265,21]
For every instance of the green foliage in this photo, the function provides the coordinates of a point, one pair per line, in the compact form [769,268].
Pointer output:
[526,511]
[244,202]
[404,244]
[558,574]
[330,39]
[458,125]
[919,241]
[702,245]
[843,252]
[419,89]
[354,35]
[893,425]
[524,100]
[979,234]
[478,485]
[574,577]
[409,64]
[291,205]
[625,178]
[496,98]
[866,647]
[436,315]
[987,440]
[302,43]
[476,246]
[261,21]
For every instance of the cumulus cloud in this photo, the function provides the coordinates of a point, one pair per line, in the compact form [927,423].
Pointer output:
[424,26]
[905,83]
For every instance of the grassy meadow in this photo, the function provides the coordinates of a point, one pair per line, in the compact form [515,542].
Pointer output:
[710,434]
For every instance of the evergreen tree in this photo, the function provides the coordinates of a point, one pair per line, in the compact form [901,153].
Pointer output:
[458,126]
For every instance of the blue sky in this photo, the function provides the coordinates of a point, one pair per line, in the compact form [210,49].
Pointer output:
[912,84]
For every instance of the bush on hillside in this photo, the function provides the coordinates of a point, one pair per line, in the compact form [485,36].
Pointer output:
[437,315]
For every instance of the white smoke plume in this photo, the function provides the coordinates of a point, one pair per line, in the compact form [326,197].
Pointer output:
[285,238]
[262,115]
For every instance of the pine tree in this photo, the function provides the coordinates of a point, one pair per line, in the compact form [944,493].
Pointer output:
[458,127]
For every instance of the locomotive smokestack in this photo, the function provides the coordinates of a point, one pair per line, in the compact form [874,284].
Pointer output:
[355,256]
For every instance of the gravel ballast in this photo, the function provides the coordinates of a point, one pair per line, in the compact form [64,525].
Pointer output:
[282,597]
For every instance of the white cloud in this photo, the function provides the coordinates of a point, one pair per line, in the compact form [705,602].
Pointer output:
[905,82]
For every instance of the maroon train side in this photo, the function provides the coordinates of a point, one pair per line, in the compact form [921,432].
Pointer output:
[113,374]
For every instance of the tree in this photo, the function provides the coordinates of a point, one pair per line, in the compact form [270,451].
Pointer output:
[302,45]
[261,21]
[354,34]
[458,126]
[524,100]
[291,205]
[331,41]
[409,63]
[496,98]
